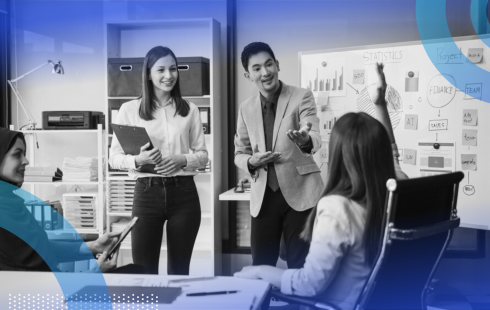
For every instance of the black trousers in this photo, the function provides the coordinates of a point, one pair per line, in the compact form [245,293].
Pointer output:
[158,200]
[275,219]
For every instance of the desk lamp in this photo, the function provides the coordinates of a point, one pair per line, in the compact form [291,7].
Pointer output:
[57,68]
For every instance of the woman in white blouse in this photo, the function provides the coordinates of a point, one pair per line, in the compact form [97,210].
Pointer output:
[167,193]
[344,230]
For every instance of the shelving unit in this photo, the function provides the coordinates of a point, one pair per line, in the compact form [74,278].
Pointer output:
[100,183]
[186,38]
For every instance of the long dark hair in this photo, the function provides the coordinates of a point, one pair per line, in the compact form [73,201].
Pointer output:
[360,163]
[148,105]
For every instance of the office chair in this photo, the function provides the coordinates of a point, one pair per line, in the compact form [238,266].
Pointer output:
[420,216]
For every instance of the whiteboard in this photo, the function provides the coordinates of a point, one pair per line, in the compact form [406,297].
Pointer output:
[424,107]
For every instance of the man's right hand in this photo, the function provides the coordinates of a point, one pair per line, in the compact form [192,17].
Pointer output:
[260,159]
[148,157]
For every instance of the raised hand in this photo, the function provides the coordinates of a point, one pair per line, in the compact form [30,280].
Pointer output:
[379,96]
[300,136]
[263,158]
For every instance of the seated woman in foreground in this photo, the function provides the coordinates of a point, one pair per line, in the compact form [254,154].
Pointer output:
[345,229]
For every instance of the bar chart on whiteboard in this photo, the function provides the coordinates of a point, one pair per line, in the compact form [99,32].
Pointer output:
[321,74]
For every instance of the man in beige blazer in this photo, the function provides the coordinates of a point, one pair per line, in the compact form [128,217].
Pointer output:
[277,134]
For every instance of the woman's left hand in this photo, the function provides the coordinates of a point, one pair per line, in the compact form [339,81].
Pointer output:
[170,163]
[248,272]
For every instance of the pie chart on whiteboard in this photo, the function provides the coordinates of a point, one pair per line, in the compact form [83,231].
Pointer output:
[393,99]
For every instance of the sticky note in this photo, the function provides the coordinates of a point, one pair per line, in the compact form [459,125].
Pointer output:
[358,77]
[411,121]
[468,162]
[475,55]
[473,91]
[324,154]
[322,99]
[438,124]
[409,156]
[469,137]
[470,117]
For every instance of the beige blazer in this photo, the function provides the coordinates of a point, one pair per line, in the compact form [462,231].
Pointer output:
[298,174]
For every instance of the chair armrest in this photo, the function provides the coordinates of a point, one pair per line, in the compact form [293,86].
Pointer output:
[421,232]
[298,300]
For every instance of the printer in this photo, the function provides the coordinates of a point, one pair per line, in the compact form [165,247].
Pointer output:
[72,119]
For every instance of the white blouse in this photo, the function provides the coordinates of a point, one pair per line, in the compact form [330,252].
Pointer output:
[335,269]
[171,134]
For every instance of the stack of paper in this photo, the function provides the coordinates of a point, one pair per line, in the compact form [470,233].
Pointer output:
[80,209]
[42,174]
[118,227]
[80,169]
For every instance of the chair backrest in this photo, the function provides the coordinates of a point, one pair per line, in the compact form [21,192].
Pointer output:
[420,216]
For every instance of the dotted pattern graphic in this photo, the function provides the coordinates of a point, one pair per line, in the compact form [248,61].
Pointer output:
[37,301]
[83,302]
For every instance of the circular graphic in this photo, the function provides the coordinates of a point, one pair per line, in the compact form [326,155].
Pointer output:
[468,190]
[441,90]
[410,107]
[420,99]
[393,100]
[411,74]
[324,63]
[432,23]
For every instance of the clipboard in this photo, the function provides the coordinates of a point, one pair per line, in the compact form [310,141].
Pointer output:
[132,138]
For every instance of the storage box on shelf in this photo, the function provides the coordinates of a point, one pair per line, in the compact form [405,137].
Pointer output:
[77,220]
[187,38]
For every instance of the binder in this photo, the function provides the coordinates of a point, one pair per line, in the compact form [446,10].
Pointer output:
[204,113]
[47,217]
[38,214]
[132,138]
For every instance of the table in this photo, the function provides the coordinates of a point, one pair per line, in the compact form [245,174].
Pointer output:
[21,290]
[230,195]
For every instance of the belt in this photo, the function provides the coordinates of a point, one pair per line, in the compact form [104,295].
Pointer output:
[164,180]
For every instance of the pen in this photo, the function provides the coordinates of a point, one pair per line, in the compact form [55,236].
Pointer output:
[190,279]
[212,293]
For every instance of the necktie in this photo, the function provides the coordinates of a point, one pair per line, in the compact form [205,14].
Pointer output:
[269,132]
